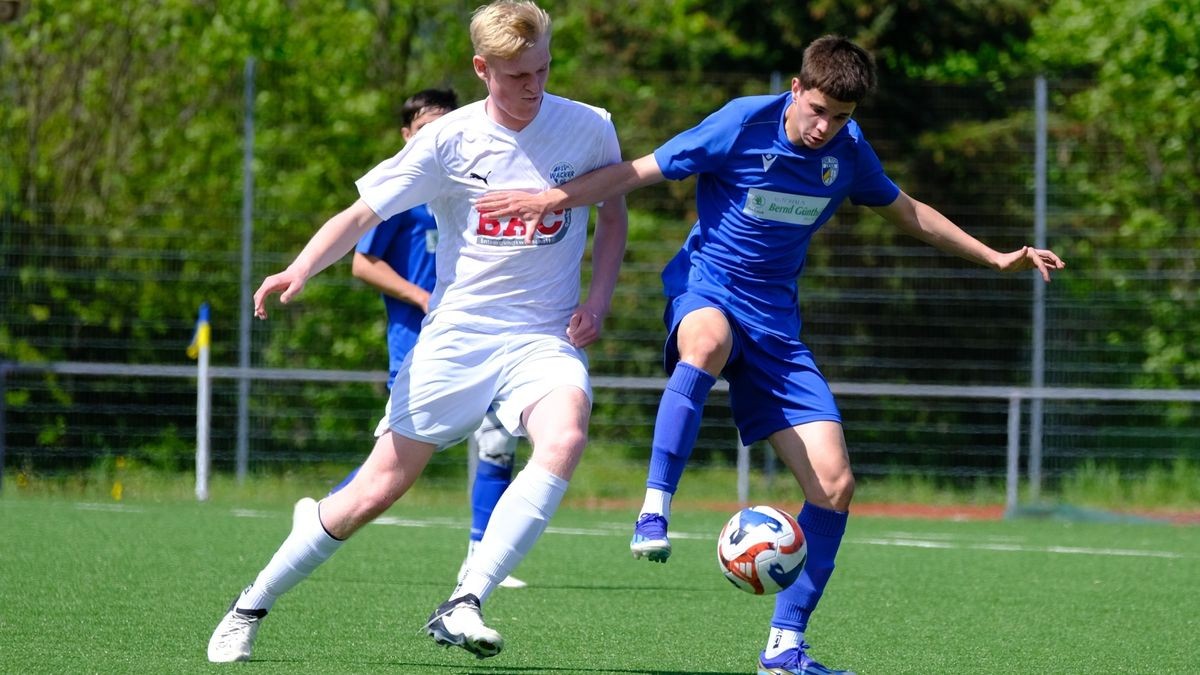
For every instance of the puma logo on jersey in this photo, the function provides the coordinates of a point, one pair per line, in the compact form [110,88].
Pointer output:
[768,160]
[478,177]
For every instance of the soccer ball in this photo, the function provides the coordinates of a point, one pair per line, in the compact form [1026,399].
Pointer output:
[761,550]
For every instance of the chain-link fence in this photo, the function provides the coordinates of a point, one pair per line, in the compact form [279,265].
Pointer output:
[96,316]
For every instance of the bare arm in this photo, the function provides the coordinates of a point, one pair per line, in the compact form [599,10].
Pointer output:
[591,188]
[335,238]
[927,224]
[384,278]
[608,250]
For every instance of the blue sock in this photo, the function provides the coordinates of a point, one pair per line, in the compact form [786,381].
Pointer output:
[345,481]
[491,480]
[823,529]
[677,425]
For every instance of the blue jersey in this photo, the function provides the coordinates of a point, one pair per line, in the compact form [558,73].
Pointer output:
[406,242]
[760,198]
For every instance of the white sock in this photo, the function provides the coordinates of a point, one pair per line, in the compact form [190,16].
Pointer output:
[303,551]
[657,501]
[518,520]
[781,640]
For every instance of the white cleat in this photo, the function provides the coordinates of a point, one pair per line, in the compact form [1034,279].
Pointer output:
[458,622]
[234,636]
[512,582]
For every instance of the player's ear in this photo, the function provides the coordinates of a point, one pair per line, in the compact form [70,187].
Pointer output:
[480,65]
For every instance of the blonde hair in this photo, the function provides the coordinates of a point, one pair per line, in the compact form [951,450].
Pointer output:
[505,28]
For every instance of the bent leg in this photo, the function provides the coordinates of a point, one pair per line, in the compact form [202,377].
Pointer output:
[816,454]
[318,529]
[704,341]
[557,428]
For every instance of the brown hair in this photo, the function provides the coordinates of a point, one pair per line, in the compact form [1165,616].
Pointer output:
[838,68]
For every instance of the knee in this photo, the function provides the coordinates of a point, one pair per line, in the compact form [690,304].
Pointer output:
[561,455]
[705,352]
[842,492]
[834,491]
[496,448]
[572,442]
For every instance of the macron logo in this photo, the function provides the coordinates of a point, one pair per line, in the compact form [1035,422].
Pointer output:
[768,160]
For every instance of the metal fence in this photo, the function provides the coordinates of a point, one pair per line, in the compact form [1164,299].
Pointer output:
[943,370]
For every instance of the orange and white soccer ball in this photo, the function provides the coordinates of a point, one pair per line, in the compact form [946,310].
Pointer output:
[761,550]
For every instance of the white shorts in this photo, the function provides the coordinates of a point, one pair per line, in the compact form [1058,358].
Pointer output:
[453,377]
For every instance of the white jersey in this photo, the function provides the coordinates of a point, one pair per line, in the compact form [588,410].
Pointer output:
[488,279]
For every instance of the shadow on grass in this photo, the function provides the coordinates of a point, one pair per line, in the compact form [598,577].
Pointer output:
[481,669]
[526,670]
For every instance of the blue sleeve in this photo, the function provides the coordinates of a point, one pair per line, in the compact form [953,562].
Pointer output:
[701,149]
[376,241]
[872,187]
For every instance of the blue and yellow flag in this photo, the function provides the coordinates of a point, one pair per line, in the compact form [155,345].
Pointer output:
[203,335]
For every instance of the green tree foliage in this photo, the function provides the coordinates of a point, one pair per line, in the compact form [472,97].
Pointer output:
[121,154]
[123,129]
[1127,144]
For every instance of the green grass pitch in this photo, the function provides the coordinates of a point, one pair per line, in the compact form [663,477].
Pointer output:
[138,588]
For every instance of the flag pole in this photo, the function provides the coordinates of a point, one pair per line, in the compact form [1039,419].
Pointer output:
[199,350]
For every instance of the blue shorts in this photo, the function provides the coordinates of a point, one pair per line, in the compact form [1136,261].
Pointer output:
[774,383]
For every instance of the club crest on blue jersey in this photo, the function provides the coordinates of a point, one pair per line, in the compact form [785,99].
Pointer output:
[562,172]
[829,170]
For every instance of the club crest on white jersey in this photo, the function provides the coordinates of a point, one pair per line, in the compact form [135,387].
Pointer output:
[562,172]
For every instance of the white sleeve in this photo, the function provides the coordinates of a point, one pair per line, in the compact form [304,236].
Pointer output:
[610,147]
[412,177]
[610,151]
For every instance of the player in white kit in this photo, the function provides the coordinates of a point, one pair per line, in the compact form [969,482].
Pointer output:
[504,333]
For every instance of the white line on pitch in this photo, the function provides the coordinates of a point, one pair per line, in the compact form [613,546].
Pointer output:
[95,506]
[1019,548]
[908,540]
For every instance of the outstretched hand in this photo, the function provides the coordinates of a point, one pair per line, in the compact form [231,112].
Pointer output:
[1028,258]
[530,208]
[288,282]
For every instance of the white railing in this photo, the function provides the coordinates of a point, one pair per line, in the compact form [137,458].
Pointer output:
[1014,395]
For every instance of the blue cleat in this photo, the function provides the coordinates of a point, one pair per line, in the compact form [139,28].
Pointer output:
[795,662]
[650,538]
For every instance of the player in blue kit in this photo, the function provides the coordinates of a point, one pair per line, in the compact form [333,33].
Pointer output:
[771,170]
[397,259]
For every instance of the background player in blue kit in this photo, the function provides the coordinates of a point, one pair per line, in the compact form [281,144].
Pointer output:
[771,170]
[397,259]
